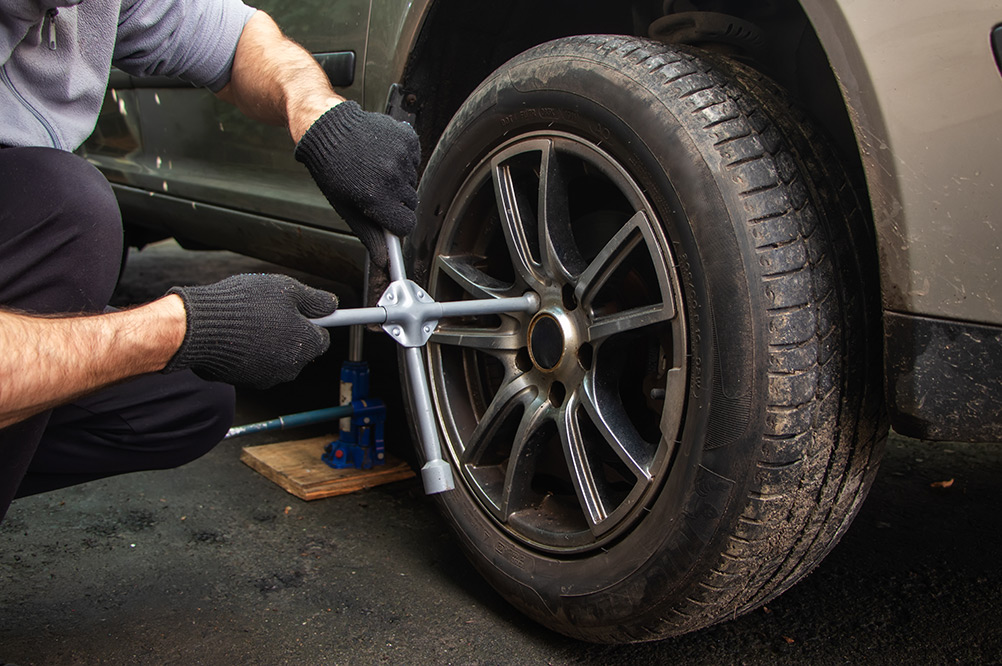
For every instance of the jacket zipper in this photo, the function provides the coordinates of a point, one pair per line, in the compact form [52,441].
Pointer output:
[38,116]
[51,33]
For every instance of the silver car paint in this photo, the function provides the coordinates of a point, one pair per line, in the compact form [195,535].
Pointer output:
[925,97]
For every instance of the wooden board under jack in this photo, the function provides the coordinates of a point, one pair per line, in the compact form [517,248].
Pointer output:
[296,466]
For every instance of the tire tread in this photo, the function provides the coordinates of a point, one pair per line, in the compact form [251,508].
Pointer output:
[826,480]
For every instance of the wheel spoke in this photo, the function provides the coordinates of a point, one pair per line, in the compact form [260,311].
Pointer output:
[561,258]
[612,422]
[609,259]
[581,468]
[628,320]
[518,392]
[472,280]
[481,339]
[512,208]
[478,284]
[522,464]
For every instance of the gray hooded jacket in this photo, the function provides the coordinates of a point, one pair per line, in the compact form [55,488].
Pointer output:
[56,56]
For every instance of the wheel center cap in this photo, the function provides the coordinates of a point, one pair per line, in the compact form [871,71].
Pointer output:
[546,341]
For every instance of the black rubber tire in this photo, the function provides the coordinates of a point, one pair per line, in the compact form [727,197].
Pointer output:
[781,423]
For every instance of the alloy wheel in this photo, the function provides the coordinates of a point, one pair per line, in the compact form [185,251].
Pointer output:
[562,423]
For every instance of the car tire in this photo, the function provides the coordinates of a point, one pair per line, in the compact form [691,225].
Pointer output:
[693,417]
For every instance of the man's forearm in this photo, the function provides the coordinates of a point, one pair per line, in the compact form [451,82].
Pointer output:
[48,361]
[365,163]
[275,80]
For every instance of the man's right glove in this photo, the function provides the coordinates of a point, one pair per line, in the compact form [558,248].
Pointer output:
[252,329]
[366,165]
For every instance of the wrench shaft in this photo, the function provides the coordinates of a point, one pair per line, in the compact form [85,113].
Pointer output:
[436,473]
[352,316]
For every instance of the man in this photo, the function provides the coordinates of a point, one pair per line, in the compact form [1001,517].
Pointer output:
[86,394]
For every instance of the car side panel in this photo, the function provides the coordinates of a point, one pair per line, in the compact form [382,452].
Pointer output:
[925,97]
[192,146]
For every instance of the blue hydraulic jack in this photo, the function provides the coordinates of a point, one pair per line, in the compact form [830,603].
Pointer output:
[360,442]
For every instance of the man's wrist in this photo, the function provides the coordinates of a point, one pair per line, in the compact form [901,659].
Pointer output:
[303,114]
[169,322]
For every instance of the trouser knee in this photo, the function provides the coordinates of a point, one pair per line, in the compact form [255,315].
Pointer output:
[151,422]
[210,421]
[60,233]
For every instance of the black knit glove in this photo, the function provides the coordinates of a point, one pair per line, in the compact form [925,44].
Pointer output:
[366,165]
[252,329]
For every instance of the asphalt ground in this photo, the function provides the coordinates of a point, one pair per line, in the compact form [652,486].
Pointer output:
[213,564]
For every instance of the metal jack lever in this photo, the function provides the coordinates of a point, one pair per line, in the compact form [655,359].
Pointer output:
[410,316]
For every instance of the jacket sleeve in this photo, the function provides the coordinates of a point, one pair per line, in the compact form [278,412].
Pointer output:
[17,17]
[193,40]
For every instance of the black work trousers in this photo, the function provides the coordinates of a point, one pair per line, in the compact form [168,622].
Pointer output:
[60,253]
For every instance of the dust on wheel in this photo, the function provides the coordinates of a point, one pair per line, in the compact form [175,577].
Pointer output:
[679,433]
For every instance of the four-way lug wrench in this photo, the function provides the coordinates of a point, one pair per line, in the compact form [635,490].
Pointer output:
[410,316]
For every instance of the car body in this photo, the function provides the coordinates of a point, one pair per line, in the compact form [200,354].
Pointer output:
[910,95]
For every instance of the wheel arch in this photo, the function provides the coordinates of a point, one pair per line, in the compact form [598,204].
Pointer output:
[812,54]
[432,36]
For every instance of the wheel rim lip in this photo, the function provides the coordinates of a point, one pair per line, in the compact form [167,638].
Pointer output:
[626,515]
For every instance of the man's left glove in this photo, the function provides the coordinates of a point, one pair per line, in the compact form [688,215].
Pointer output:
[366,165]
[252,329]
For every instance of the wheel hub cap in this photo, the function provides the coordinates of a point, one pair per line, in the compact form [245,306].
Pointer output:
[546,342]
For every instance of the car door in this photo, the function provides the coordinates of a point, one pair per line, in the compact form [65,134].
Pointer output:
[166,137]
